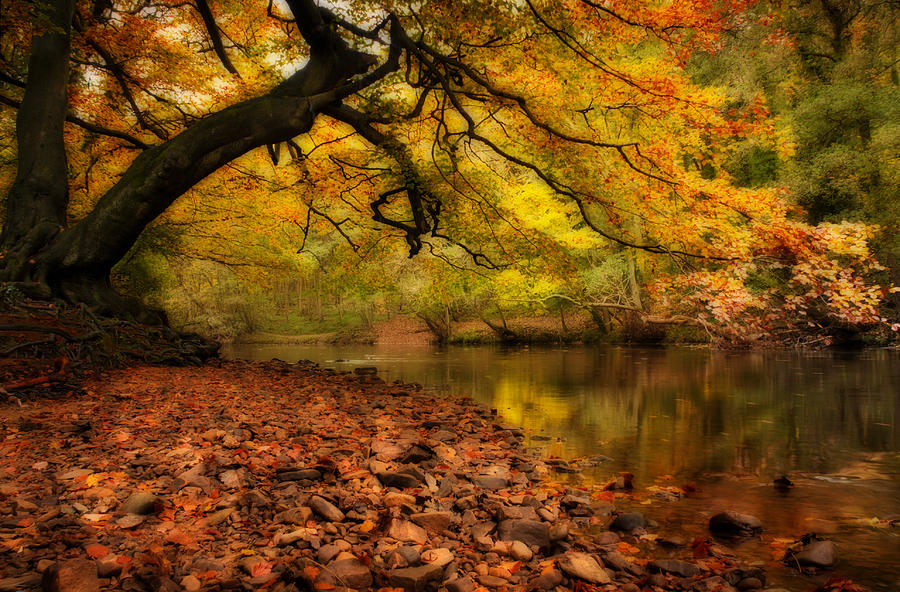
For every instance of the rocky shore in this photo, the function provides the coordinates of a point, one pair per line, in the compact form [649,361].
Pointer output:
[272,476]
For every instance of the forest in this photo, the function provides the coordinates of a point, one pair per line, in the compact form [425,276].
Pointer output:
[450,295]
[713,172]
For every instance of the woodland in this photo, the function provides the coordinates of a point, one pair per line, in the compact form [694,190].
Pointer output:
[720,172]
[177,173]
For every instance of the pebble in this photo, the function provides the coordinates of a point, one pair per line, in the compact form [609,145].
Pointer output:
[628,522]
[325,509]
[530,532]
[819,554]
[413,579]
[139,502]
[584,567]
[731,523]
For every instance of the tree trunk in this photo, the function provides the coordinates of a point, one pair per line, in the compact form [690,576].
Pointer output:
[75,264]
[37,201]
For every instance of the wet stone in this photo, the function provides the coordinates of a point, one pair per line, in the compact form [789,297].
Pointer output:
[548,580]
[731,524]
[460,585]
[490,482]
[140,502]
[819,554]
[628,522]
[352,573]
[673,566]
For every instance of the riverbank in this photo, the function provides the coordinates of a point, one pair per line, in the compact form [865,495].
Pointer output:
[239,475]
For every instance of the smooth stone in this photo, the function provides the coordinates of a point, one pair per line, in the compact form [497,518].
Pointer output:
[492,581]
[327,552]
[436,522]
[351,572]
[325,509]
[673,566]
[584,567]
[300,475]
[490,481]
[628,522]
[403,530]
[517,513]
[439,556]
[191,583]
[464,584]
[734,524]
[821,554]
[713,584]
[398,480]
[548,580]
[108,566]
[409,554]
[299,515]
[392,499]
[139,502]
[607,538]
[530,532]
[415,579]
[520,551]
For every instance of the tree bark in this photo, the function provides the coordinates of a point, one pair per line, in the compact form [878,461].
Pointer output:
[37,201]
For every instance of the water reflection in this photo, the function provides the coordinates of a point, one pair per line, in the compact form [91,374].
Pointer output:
[729,421]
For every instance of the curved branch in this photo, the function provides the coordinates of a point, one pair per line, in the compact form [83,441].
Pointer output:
[215,35]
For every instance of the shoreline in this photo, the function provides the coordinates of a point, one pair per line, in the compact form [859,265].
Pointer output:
[358,484]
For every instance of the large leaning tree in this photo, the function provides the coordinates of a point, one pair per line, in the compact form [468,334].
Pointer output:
[589,99]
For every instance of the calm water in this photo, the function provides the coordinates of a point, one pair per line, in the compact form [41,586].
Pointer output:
[728,422]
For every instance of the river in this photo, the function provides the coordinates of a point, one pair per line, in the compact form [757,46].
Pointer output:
[728,423]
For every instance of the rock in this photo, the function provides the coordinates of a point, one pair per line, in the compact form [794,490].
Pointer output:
[628,521]
[108,566]
[393,499]
[130,520]
[327,552]
[548,580]
[749,584]
[530,532]
[516,513]
[74,575]
[490,481]
[673,566]
[398,480]
[416,454]
[139,502]
[490,581]
[819,554]
[325,509]
[415,579]
[300,475]
[584,567]
[403,530]
[732,524]
[520,551]
[559,532]
[218,517]
[436,522]
[607,538]
[352,573]
[409,554]
[460,585]
[365,371]
[713,584]
[190,583]
[439,556]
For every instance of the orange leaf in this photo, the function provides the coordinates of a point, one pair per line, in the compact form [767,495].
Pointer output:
[96,551]
[260,568]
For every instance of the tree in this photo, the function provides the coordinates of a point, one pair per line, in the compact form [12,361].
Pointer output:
[589,100]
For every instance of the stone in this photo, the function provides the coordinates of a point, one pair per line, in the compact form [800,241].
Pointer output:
[139,502]
[218,517]
[713,584]
[365,371]
[233,479]
[559,532]
[490,581]
[520,551]
[516,513]
[436,522]
[548,580]
[403,530]
[108,566]
[673,566]
[439,556]
[607,538]
[749,584]
[327,552]
[300,475]
[417,453]
[530,532]
[460,585]
[731,524]
[191,584]
[393,499]
[409,554]
[351,572]
[819,554]
[628,522]
[490,481]
[398,480]
[325,509]
[415,579]
[74,575]
[584,567]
